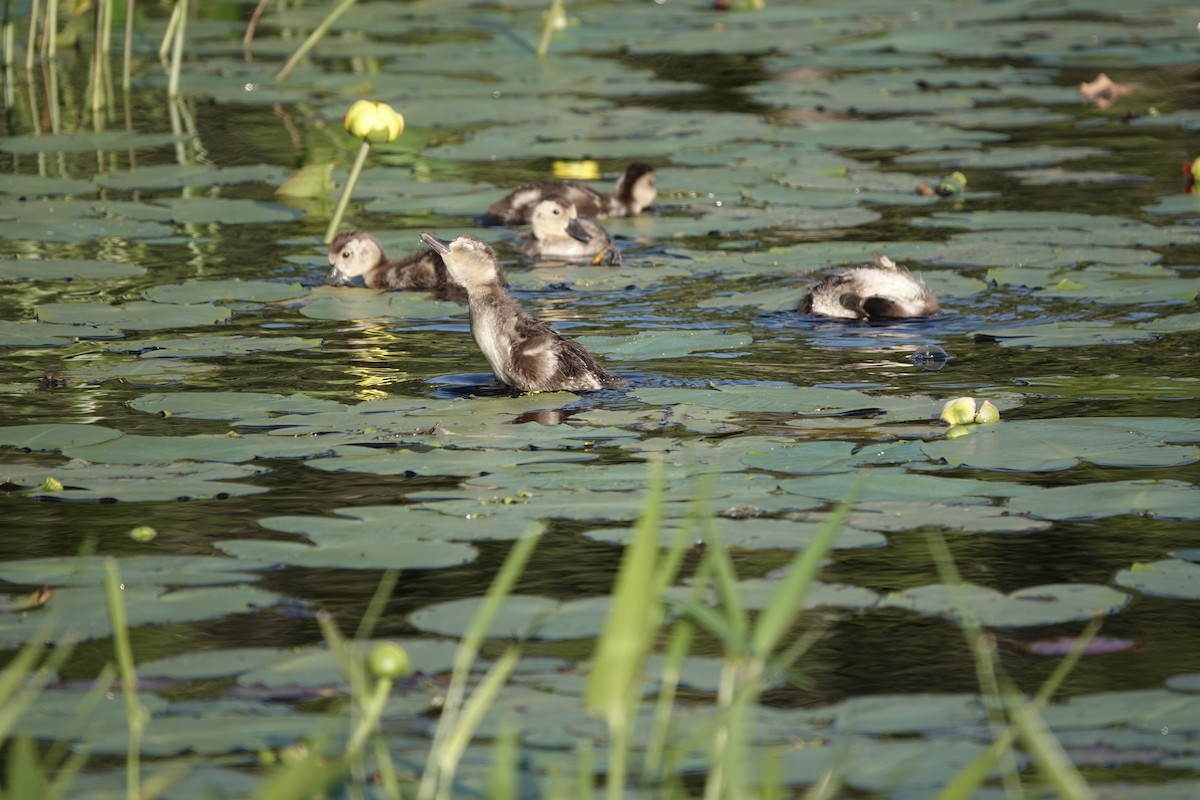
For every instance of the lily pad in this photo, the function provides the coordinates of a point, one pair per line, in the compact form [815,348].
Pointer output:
[66,269]
[1167,499]
[157,483]
[231,289]
[1034,605]
[1171,578]
[201,346]
[346,303]
[649,345]
[135,571]
[1059,444]
[358,552]
[135,316]
[55,435]
[1063,334]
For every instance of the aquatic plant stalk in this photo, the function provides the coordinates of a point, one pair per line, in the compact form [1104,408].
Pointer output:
[135,714]
[347,190]
[554,19]
[374,610]
[177,50]
[432,779]
[127,56]
[31,41]
[313,38]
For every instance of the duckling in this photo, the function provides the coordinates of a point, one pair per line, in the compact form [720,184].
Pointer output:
[559,233]
[355,253]
[882,290]
[636,191]
[524,353]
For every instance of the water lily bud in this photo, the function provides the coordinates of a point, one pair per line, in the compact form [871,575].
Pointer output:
[375,122]
[50,485]
[987,413]
[959,411]
[389,660]
[143,533]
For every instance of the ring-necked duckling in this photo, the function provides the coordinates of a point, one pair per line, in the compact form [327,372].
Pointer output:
[882,290]
[636,191]
[357,253]
[524,353]
[559,233]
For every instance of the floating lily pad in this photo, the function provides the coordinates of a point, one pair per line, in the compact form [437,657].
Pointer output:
[1171,578]
[437,462]
[158,483]
[1050,445]
[352,304]
[178,176]
[231,289]
[45,334]
[85,615]
[1034,605]
[60,269]
[663,344]
[359,552]
[135,316]
[83,140]
[231,449]
[521,617]
[1063,334]
[398,523]
[55,435]
[202,346]
[226,210]
[135,571]
[1166,499]
[228,406]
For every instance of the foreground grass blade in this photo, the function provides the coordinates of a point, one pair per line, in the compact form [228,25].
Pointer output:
[468,649]
[135,714]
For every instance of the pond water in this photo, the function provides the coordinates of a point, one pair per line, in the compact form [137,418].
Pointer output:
[170,358]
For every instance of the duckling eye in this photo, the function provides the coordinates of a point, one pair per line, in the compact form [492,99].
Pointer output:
[557,211]
[345,254]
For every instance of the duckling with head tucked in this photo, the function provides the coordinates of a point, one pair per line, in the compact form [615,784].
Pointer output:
[636,191]
[560,234]
[882,290]
[524,353]
[357,253]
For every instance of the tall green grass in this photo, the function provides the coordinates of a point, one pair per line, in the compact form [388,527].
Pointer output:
[756,650]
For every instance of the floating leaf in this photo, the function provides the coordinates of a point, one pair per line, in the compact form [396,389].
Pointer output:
[66,269]
[135,316]
[231,289]
[1171,578]
[663,344]
[1034,605]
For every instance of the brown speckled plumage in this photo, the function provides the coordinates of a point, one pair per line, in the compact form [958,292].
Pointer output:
[635,191]
[357,253]
[524,353]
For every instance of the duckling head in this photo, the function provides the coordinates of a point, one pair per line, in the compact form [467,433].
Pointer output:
[555,217]
[637,187]
[352,254]
[471,262]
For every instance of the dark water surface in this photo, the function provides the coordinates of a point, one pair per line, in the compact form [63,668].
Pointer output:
[713,104]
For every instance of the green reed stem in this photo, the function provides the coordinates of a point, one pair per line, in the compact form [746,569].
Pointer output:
[127,59]
[135,714]
[313,38]
[31,44]
[374,610]
[177,50]
[433,780]
[347,190]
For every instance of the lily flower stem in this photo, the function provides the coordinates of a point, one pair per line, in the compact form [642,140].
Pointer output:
[344,200]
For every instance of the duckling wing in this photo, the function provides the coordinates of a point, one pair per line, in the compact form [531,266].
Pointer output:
[516,207]
[548,361]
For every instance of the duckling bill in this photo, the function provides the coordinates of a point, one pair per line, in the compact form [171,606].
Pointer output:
[882,290]
[558,232]
[635,191]
[524,353]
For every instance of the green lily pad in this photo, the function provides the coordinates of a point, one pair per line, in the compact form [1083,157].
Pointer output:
[227,448]
[84,140]
[226,210]
[1176,323]
[358,552]
[393,522]
[66,269]
[85,615]
[1003,157]
[1082,333]
[157,483]
[45,334]
[230,406]
[135,571]
[135,316]
[456,462]
[139,372]
[649,345]
[1034,605]
[178,176]
[520,617]
[317,666]
[1051,445]
[347,303]
[600,278]
[1166,499]
[1171,578]
[221,290]
[55,435]
[911,515]
[201,346]
[805,458]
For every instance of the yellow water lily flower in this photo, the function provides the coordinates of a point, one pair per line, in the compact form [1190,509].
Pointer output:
[959,411]
[579,170]
[375,122]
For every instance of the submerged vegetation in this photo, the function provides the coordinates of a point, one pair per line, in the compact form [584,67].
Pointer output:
[274,539]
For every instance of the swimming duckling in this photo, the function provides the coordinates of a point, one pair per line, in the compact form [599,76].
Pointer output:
[356,253]
[559,233]
[525,353]
[636,191]
[883,290]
